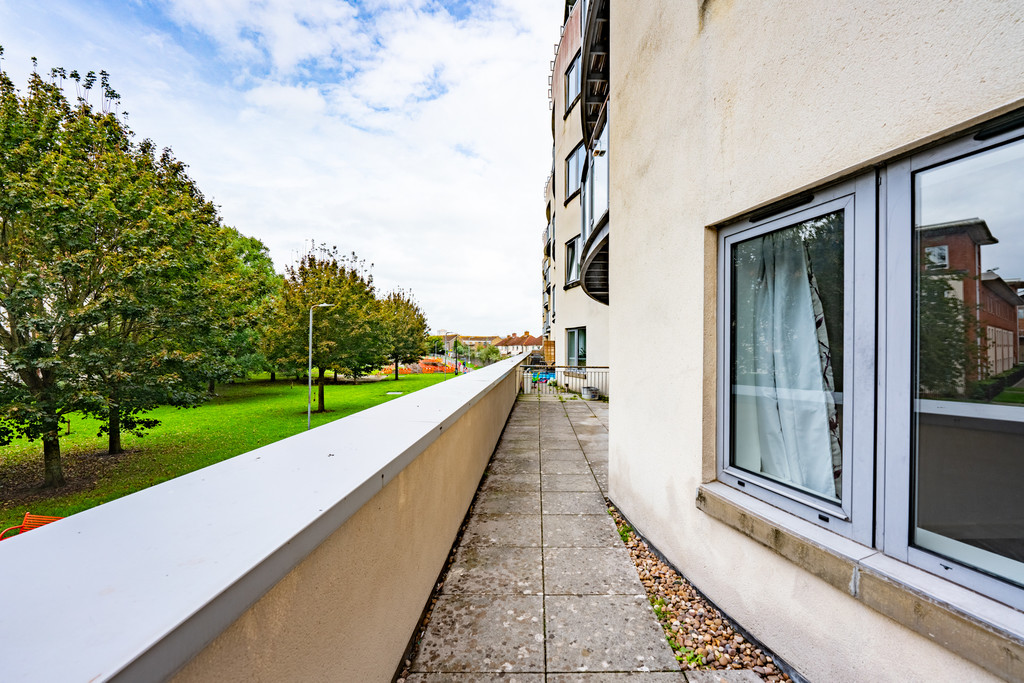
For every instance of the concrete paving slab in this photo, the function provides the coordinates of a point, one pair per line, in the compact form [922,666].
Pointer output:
[590,571]
[602,481]
[577,465]
[475,678]
[604,633]
[563,453]
[574,503]
[519,481]
[508,503]
[723,676]
[569,482]
[483,633]
[513,466]
[630,677]
[512,530]
[496,570]
[514,448]
[580,531]
[565,443]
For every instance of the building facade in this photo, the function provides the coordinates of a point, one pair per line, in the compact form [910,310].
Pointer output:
[576,322]
[815,456]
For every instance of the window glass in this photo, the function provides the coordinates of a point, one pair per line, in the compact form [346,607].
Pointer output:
[968,381]
[573,170]
[787,355]
[572,83]
[576,346]
[572,260]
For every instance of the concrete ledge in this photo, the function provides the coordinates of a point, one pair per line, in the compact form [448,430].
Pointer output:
[974,627]
[256,560]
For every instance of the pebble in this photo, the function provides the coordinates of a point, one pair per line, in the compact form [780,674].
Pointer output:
[691,625]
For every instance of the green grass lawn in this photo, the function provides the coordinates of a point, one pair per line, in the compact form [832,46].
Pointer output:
[1010,395]
[242,417]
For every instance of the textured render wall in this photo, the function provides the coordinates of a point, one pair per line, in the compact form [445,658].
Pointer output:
[346,612]
[718,107]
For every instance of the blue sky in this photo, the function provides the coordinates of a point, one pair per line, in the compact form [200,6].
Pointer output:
[413,132]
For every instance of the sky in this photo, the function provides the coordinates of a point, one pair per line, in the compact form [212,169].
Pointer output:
[415,133]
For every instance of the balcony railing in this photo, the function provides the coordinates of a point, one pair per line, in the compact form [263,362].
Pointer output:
[308,559]
[588,382]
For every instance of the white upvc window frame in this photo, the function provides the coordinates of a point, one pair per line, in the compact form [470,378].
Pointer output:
[853,516]
[895,349]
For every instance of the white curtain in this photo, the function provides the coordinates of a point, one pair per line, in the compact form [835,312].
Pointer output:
[785,418]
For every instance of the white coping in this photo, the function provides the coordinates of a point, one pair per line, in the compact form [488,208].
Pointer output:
[137,587]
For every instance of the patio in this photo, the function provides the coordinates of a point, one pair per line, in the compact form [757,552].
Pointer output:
[542,588]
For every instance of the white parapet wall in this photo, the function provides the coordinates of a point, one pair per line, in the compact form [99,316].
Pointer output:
[308,559]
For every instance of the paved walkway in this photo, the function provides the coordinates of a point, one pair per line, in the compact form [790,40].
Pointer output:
[542,588]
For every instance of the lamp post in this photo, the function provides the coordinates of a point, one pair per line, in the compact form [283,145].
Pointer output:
[309,370]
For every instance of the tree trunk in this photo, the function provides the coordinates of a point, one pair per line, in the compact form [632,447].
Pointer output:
[320,390]
[273,376]
[396,368]
[114,431]
[210,387]
[53,471]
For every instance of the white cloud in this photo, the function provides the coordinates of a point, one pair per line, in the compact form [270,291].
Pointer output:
[417,139]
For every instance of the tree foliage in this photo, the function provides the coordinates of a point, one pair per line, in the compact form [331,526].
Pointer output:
[112,268]
[342,332]
[401,328]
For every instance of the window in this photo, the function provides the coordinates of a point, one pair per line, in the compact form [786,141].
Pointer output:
[572,82]
[573,170]
[928,469]
[576,347]
[789,384]
[962,417]
[572,261]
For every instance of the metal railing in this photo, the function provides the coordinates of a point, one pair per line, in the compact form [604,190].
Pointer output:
[554,380]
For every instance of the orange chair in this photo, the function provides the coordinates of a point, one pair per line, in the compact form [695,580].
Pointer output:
[29,523]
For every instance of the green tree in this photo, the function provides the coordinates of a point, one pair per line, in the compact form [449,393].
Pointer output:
[401,328]
[946,332]
[102,247]
[489,354]
[342,333]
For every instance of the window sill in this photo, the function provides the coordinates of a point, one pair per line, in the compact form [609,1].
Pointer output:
[975,627]
[570,285]
[572,195]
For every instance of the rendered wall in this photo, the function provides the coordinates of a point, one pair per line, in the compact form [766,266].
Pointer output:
[718,107]
[346,612]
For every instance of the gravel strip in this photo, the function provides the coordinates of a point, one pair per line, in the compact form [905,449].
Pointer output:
[698,633]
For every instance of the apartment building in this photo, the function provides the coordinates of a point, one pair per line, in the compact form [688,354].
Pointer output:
[790,186]
[575,309]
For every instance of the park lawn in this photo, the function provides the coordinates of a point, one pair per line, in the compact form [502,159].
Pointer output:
[242,417]
[1010,395]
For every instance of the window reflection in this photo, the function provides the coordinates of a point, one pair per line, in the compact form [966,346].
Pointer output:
[969,378]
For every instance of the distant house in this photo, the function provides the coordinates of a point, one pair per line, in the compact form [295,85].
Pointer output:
[514,344]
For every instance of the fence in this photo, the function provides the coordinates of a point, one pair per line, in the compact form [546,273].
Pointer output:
[590,382]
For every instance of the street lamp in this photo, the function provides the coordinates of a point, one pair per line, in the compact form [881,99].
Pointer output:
[309,370]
